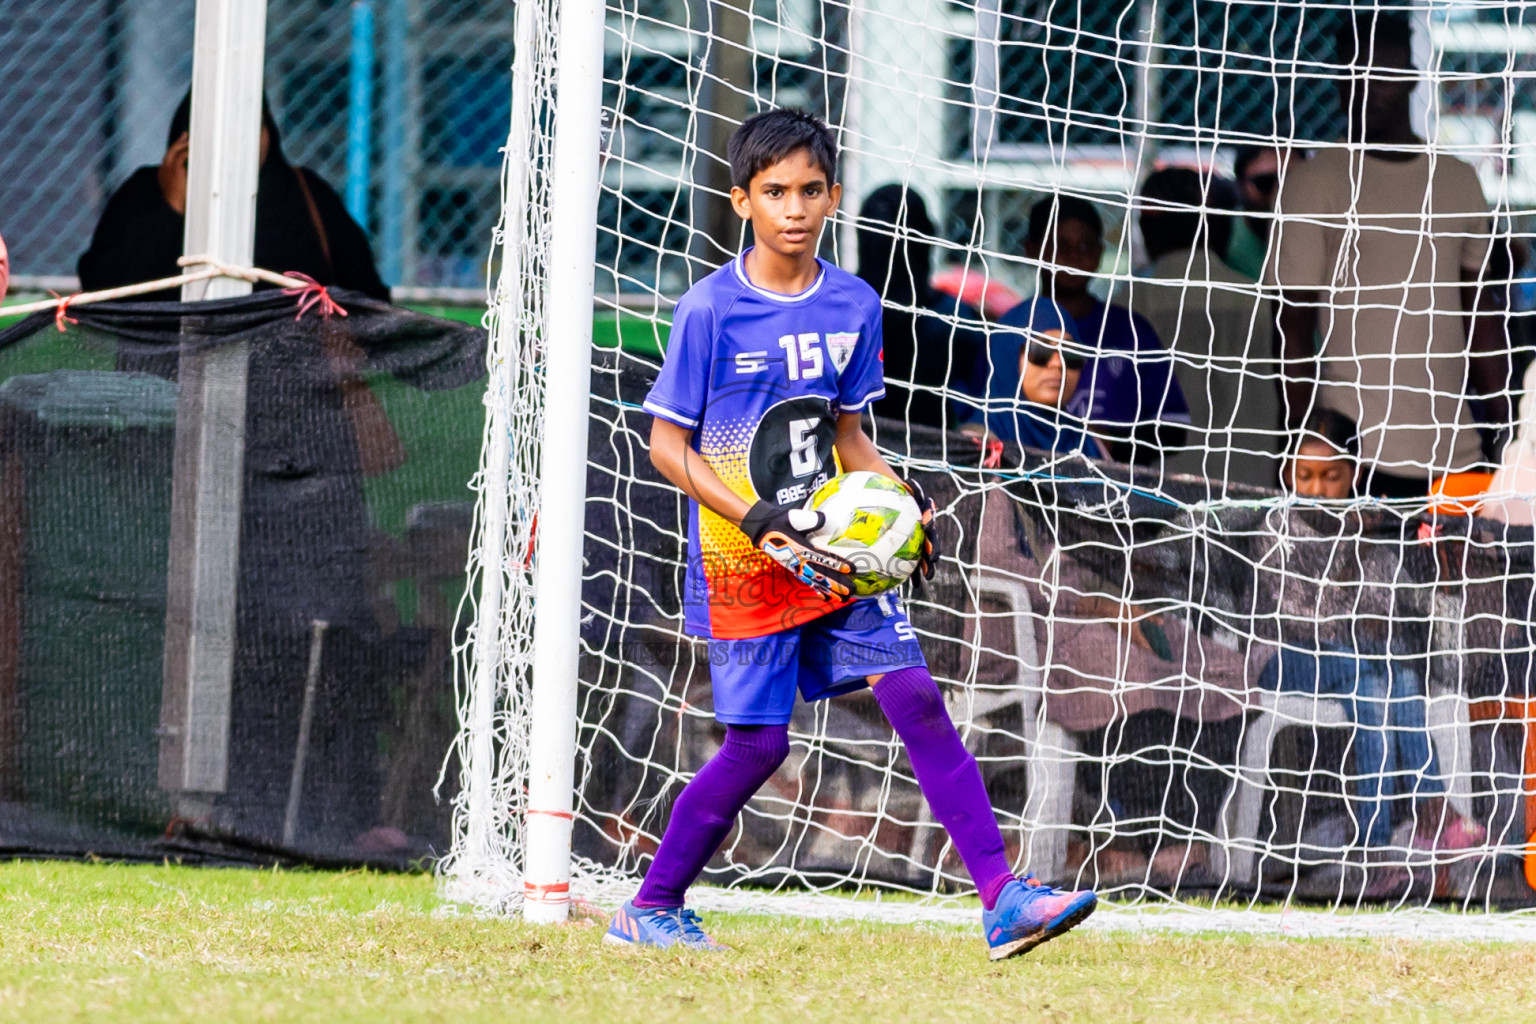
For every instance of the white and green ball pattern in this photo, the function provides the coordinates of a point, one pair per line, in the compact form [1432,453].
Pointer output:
[873,522]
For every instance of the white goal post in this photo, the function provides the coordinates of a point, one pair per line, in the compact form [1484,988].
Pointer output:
[1122,639]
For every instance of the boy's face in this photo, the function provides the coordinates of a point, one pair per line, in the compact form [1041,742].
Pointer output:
[1077,249]
[787,203]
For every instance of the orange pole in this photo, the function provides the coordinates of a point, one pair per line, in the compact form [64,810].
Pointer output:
[1523,712]
[1530,795]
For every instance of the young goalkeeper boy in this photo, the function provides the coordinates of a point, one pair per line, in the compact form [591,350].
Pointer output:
[772,359]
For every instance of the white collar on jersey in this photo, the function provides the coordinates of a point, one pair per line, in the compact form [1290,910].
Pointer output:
[741,272]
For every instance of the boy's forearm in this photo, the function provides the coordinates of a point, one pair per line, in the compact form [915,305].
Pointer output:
[855,457]
[856,451]
[674,457]
[697,480]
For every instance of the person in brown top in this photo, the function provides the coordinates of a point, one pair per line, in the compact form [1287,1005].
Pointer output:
[1378,249]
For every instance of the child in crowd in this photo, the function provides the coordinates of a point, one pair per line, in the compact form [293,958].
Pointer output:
[1383,696]
[1129,395]
[1326,459]
[1028,380]
[771,361]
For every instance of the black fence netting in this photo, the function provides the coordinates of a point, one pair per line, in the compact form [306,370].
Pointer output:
[360,436]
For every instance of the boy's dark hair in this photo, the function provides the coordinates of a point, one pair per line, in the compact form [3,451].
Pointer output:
[1332,426]
[765,139]
[1369,32]
[1166,230]
[1067,208]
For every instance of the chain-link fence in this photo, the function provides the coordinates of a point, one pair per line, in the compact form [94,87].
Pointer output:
[1097,80]
[91,85]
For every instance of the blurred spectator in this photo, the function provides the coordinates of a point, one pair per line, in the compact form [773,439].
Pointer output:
[1033,373]
[314,431]
[1383,696]
[1209,315]
[301,224]
[1128,395]
[1381,248]
[1326,460]
[5,270]
[928,345]
[1257,170]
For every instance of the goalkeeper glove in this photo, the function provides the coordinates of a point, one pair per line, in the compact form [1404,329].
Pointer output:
[929,557]
[783,533]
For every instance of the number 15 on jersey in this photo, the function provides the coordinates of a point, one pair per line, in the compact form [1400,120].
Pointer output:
[802,355]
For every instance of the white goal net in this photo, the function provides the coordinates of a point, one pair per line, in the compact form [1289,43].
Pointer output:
[1243,614]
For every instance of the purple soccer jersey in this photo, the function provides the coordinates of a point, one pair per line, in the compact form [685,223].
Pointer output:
[761,378]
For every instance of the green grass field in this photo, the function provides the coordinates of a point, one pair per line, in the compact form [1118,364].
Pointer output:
[114,943]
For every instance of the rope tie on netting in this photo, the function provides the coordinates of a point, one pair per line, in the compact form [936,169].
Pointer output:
[61,315]
[311,293]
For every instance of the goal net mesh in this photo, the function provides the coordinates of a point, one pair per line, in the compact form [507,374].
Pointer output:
[1185,684]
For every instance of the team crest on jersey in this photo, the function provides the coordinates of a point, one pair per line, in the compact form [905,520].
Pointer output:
[840,345]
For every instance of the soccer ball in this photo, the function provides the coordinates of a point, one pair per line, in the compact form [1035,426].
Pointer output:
[873,522]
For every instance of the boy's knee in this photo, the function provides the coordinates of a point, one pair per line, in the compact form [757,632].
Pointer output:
[919,693]
[776,749]
[927,703]
[910,699]
[761,747]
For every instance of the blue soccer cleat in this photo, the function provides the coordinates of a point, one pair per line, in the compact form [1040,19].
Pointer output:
[658,927]
[1029,913]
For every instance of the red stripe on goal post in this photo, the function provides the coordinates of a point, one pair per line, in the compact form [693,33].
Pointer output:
[559,892]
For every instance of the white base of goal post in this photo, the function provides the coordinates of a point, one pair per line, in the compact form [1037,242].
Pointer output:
[563,463]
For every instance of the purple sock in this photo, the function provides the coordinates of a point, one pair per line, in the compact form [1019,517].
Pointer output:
[947,774]
[707,808]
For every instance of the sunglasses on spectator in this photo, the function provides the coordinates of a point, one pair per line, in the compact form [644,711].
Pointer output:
[1264,182]
[1040,355]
